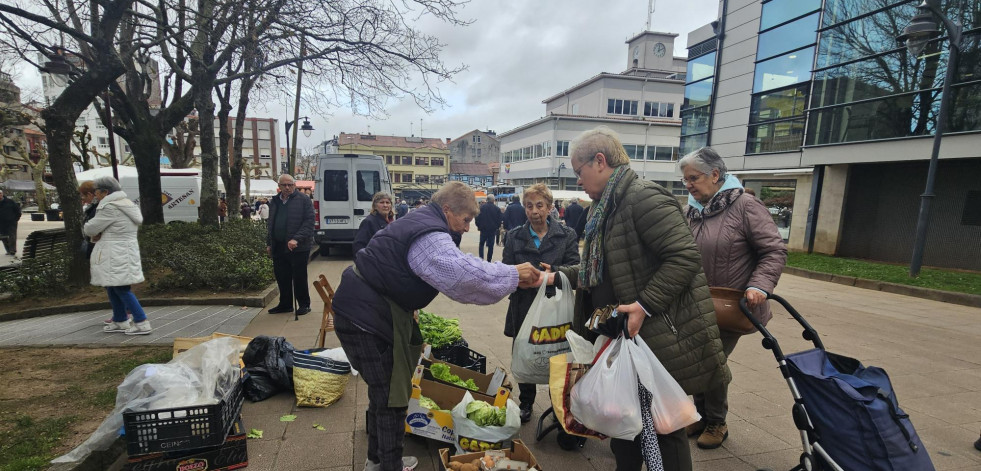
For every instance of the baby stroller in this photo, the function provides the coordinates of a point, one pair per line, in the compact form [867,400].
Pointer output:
[847,414]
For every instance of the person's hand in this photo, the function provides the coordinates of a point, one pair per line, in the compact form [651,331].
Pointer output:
[754,297]
[96,238]
[528,276]
[292,244]
[635,317]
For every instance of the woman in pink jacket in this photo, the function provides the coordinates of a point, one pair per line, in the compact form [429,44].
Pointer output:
[741,249]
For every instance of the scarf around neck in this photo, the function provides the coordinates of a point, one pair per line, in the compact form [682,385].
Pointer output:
[721,200]
[591,273]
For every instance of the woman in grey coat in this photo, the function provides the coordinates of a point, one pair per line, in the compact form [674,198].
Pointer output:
[542,239]
[741,249]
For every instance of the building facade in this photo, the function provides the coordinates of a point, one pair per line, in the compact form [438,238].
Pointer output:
[475,147]
[417,166]
[477,175]
[260,145]
[817,106]
[641,104]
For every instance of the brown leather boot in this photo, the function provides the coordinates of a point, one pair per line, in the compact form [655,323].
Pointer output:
[713,436]
[695,429]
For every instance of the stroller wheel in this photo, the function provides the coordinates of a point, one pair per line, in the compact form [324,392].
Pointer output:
[566,442]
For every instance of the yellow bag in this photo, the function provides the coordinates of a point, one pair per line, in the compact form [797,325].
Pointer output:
[562,376]
[318,381]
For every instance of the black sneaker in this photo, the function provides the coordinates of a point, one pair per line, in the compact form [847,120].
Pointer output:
[280,310]
[525,414]
[303,310]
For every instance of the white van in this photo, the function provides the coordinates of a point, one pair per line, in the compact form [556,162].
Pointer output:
[180,189]
[345,184]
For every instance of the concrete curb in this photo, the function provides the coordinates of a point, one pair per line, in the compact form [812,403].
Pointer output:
[260,300]
[963,299]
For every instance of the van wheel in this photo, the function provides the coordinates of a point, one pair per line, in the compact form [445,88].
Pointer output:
[324,251]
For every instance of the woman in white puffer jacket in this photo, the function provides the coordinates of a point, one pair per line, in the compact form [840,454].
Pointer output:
[115,262]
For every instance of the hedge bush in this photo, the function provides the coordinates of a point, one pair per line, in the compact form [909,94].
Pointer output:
[189,256]
[40,276]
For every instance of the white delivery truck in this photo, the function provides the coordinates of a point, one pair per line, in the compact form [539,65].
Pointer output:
[180,189]
[345,184]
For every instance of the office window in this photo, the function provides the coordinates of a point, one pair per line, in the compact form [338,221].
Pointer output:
[775,136]
[779,11]
[665,153]
[436,161]
[635,152]
[562,148]
[892,117]
[656,109]
[104,142]
[622,107]
[864,37]
[422,161]
[839,11]
[779,104]
[787,69]
[388,159]
[793,35]
[877,77]
[693,143]
[698,94]
[701,67]
[695,120]
[406,160]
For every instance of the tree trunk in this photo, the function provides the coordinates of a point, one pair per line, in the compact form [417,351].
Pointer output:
[59,126]
[146,147]
[205,105]
[40,194]
[223,151]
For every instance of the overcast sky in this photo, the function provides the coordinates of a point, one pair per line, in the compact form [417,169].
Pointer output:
[518,52]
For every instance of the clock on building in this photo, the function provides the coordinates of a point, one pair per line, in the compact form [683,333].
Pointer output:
[659,49]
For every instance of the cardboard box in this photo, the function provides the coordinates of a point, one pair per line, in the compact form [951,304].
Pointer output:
[488,383]
[233,454]
[518,452]
[438,423]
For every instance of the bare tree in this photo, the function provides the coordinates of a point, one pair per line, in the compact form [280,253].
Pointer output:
[181,150]
[14,148]
[87,29]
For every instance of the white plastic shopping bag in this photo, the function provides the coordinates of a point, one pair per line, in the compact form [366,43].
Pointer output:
[542,334]
[671,408]
[606,399]
[471,437]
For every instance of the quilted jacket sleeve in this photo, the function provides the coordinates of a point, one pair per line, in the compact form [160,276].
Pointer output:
[771,252]
[665,235]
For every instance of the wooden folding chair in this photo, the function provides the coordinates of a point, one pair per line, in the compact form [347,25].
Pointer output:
[327,294]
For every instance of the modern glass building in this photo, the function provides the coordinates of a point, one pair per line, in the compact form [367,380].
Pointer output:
[817,106]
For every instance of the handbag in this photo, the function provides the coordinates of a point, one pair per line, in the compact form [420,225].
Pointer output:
[727,312]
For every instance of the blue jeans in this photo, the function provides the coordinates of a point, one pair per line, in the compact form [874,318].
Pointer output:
[121,299]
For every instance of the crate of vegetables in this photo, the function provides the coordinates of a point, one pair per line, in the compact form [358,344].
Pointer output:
[517,458]
[454,375]
[446,339]
[429,415]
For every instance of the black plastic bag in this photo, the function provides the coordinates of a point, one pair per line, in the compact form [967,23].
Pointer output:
[269,367]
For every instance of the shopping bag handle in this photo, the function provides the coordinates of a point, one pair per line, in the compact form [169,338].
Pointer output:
[601,350]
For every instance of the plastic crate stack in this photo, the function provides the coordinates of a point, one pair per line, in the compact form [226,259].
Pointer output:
[178,438]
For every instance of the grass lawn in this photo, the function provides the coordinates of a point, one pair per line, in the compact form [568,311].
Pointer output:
[946,280]
[52,399]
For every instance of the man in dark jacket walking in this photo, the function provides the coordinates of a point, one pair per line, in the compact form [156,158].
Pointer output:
[514,215]
[288,240]
[9,215]
[572,214]
[488,222]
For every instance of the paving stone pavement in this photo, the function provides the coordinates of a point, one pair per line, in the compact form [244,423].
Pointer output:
[931,350]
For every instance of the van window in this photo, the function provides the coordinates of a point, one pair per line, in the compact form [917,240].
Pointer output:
[335,185]
[369,183]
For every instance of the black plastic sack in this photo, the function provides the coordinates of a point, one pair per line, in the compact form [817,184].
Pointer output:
[268,366]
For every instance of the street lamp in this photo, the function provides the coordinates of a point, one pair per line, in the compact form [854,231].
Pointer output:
[922,29]
[307,128]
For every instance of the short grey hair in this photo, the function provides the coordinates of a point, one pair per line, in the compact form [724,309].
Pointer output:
[108,184]
[704,160]
[603,140]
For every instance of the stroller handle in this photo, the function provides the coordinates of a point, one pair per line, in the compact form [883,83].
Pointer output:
[769,341]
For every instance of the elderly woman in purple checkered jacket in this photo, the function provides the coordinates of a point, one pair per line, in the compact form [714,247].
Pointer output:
[402,269]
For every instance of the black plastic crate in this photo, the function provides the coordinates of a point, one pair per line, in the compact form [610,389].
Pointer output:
[182,428]
[460,355]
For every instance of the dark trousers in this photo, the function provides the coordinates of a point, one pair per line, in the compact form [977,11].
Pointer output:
[675,452]
[713,405]
[486,239]
[122,299]
[290,268]
[526,394]
[9,229]
[372,357]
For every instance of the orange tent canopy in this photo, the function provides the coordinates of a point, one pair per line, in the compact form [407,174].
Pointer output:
[305,184]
